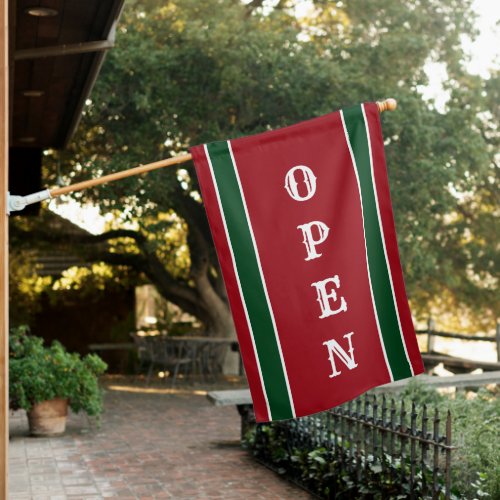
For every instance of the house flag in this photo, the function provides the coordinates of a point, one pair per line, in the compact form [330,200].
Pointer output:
[302,222]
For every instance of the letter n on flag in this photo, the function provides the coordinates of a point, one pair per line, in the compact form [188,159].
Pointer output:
[302,222]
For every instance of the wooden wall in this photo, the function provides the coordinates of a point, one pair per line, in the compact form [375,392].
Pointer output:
[4,254]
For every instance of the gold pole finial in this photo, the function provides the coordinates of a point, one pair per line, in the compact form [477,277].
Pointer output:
[387,105]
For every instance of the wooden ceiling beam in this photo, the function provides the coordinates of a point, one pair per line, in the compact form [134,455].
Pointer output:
[63,50]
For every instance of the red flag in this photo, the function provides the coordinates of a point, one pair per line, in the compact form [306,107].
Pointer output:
[303,226]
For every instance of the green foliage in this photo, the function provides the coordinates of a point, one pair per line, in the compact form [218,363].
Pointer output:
[187,72]
[476,434]
[25,286]
[421,394]
[38,373]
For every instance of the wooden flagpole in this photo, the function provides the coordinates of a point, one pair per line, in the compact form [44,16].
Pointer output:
[387,105]
[176,160]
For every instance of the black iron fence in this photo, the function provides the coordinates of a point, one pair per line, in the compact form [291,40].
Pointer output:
[370,447]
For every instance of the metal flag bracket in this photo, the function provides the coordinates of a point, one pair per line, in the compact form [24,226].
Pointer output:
[16,203]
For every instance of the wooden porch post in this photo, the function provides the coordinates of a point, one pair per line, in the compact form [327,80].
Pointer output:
[4,245]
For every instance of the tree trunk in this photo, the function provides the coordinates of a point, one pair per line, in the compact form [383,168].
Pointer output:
[221,321]
[221,324]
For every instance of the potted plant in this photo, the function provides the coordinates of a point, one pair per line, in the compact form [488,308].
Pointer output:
[45,380]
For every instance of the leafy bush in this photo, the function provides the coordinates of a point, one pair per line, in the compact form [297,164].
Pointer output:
[38,373]
[476,434]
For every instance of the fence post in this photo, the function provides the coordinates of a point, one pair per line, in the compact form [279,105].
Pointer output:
[498,341]
[247,419]
[447,492]
[424,446]
[431,326]
[435,468]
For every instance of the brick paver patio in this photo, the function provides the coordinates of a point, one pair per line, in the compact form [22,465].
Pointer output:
[150,445]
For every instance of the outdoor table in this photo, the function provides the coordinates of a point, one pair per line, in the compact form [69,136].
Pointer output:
[201,350]
[198,354]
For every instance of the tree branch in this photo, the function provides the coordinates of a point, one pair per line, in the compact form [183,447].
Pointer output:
[182,295]
[65,238]
[117,233]
[134,261]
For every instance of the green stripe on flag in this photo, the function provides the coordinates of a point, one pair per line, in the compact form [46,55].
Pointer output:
[377,263]
[248,273]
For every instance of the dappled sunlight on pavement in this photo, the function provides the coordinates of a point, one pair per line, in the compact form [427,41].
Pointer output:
[154,442]
[153,390]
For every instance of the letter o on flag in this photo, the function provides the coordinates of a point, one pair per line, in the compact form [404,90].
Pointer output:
[308,179]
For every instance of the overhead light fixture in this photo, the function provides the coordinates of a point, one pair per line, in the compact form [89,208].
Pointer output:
[27,139]
[41,11]
[33,93]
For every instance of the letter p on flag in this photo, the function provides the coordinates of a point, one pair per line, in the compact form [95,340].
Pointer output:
[309,241]
[299,332]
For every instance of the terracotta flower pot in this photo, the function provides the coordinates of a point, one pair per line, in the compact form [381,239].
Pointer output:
[48,417]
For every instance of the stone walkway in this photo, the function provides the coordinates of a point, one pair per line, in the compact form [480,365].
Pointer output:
[152,443]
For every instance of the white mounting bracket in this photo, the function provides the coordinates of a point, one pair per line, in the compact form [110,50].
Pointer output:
[16,203]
